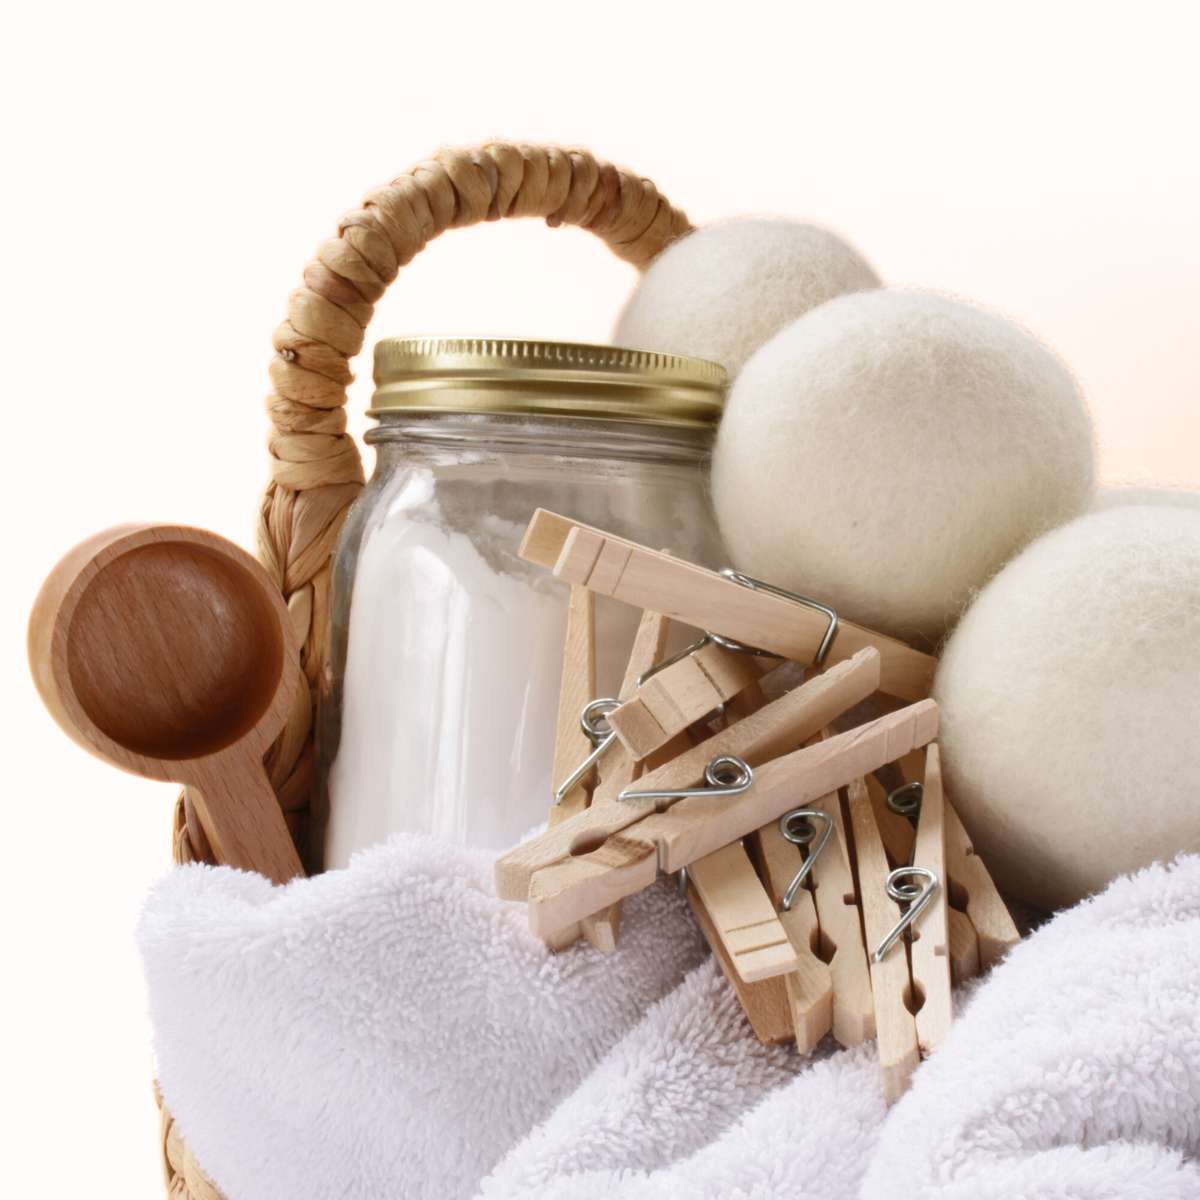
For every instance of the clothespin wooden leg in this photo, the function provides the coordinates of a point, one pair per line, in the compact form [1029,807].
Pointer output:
[836,897]
[810,985]
[571,743]
[619,770]
[931,936]
[743,915]
[603,929]
[988,913]
[765,1003]
[895,1028]
[964,946]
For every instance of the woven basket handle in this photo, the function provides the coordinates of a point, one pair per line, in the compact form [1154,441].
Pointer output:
[316,471]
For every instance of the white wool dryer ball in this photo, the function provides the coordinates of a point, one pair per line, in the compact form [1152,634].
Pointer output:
[1113,497]
[1070,698]
[724,289]
[889,451]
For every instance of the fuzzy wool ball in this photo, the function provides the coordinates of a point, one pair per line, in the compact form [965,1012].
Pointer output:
[1070,697]
[1114,497]
[889,451]
[723,290]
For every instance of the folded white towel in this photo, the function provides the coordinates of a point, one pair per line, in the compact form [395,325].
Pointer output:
[392,1030]
[389,1030]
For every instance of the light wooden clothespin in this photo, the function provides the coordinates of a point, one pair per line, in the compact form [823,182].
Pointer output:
[628,859]
[571,743]
[898,834]
[837,904]
[982,934]
[920,979]
[931,941]
[765,1003]
[853,1019]
[577,689]
[737,916]
[809,986]
[682,693]
[793,1006]
[807,989]
[895,1027]
[618,770]
[747,612]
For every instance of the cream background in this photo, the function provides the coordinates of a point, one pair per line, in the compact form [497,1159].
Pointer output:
[170,168]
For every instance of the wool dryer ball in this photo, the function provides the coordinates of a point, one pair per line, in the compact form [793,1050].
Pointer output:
[723,290]
[1070,695]
[889,451]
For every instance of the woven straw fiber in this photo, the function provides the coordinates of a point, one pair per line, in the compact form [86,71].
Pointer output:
[316,471]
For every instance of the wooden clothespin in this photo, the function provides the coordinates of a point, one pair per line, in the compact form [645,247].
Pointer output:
[774,730]
[794,628]
[837,904]
[913,1002]
[982,934]
[853,1019]
[809,986]
[931,939]
[895,1027]
[898,834]
[765,1003]
[702,823]
[682,693]
[729,902]
[618,770]
[795,1006]
[576,690]
[571,743]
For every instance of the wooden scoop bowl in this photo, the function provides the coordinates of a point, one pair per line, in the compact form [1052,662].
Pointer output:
[168,652]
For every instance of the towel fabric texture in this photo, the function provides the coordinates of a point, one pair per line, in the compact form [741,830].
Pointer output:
[392,1031]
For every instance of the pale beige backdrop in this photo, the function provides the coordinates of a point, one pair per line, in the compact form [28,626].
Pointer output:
[169,168]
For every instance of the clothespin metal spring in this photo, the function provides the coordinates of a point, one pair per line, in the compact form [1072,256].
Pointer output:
[800,827]
[759,585]
[918,898]
[594,724]
[726,775]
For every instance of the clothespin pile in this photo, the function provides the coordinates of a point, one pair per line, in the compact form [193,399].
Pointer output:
[819,853]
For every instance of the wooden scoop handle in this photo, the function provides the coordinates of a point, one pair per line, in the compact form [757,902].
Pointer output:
[241,815]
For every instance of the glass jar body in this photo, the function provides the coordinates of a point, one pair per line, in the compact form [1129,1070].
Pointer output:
[438,705]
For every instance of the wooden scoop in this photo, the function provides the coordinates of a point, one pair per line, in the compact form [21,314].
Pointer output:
[168,652]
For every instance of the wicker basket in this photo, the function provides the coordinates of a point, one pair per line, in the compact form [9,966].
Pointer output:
[316,471]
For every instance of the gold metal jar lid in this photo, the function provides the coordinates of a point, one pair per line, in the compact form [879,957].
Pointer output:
[518,377]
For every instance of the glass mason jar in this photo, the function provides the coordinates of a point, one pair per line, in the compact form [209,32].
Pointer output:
[439,701]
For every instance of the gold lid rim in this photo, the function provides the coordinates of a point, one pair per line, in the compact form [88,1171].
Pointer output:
[524,377]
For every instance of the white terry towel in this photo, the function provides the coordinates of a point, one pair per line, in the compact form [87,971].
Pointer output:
[392,1030]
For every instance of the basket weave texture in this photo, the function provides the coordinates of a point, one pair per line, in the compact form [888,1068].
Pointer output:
[316,469]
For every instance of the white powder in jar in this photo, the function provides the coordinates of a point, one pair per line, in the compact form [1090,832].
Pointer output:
[451,686]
